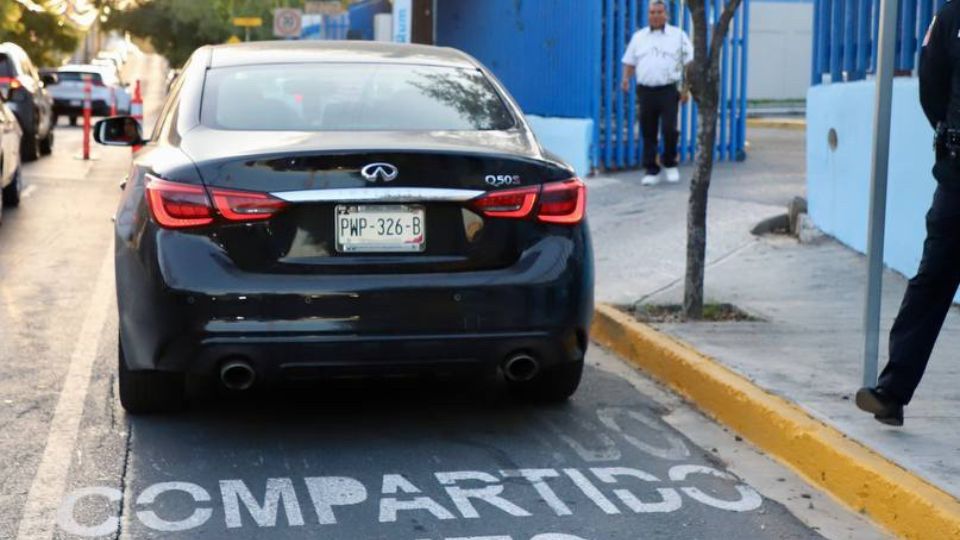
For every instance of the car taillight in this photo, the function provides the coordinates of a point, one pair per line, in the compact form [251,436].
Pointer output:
[177,206]
[510,203]
[555,202]
[563,202]
[246,206]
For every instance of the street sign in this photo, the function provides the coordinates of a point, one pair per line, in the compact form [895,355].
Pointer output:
[287,22]
[323,7]
[247,21]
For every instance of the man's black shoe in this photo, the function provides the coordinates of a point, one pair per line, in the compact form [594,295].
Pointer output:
[884,407]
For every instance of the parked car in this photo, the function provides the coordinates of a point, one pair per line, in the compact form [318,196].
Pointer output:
[106,88]
[111,61]
[116,57]
[10,136]
[172,75]
[29,100]
[306,210]
[107,63]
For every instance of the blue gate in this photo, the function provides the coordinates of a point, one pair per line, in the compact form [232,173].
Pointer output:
[561,59]
[617,135]
[326,26]
[845,37]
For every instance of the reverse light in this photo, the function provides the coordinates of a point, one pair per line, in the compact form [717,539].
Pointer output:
[563,202]
[509,203]
[178,206]
[246,206]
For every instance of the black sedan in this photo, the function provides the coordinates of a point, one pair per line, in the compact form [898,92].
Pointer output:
[305,211]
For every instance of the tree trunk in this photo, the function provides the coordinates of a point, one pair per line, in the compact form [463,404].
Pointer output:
[703,77]
[697,210]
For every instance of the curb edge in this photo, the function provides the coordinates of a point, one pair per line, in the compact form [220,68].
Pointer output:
[799,125]
[858,477]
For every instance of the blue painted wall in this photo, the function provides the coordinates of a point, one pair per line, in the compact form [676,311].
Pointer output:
[838,181]
[569,138]
[546,52]
[361,16]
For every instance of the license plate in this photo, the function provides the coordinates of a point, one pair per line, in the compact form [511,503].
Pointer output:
[380,229]
[75,102]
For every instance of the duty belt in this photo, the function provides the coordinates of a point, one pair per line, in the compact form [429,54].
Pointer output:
[947,140]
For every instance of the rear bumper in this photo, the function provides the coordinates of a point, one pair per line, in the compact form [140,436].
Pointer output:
[188,308]
[64,108]
[312,357]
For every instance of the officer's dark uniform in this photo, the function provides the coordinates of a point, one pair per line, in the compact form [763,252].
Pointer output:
[931,292]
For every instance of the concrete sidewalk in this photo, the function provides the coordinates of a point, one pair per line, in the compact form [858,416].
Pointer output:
[808,347]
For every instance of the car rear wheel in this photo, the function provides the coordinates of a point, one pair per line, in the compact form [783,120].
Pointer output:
[554,385]
[11,193]
[149,392]
[29,146]
[46,143]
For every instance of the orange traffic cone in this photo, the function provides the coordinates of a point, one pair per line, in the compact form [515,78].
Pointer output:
[136,107]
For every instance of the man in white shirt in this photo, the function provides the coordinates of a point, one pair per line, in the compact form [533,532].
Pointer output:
[655,59]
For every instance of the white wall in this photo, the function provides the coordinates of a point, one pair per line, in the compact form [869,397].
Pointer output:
[781,49]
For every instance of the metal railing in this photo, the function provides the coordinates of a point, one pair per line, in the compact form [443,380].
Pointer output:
[845,37]
[617,137]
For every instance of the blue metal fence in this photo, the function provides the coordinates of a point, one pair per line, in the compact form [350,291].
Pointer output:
[618,140]
[561,58]
[325,26]
[845,37]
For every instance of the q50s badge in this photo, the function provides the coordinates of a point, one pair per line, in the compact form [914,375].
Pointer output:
[500,180]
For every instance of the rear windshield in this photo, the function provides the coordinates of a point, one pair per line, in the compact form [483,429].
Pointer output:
[6,67]
[343,97]
[94,78]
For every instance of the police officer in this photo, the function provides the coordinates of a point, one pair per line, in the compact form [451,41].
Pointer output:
[931,292]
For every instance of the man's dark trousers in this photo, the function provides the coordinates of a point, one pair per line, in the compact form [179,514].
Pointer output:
[929,295]
[658,106]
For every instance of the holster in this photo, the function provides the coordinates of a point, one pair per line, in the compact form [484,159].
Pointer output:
[946,143]
[947,148]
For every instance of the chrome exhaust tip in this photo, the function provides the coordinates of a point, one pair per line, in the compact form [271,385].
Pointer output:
[521,368]
[237,375]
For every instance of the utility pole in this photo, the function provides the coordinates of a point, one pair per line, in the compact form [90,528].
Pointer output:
[886,53]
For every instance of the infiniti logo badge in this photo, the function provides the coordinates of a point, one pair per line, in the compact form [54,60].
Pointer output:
[380,171]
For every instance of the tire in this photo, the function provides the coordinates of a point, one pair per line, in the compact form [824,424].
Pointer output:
[11,193]
[46,143]
[73,120]
[555,385]
[29,146]
[149,392]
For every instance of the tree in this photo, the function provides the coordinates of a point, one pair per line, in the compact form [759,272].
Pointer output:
[45,36]
[703,76]
[176,28]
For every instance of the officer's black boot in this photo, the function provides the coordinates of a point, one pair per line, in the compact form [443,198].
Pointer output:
[884,407]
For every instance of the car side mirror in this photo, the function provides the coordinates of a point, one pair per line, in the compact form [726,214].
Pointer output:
[118,131]
[50,79]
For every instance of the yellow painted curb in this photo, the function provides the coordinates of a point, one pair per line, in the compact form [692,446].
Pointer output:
[860,478]
[777,123]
